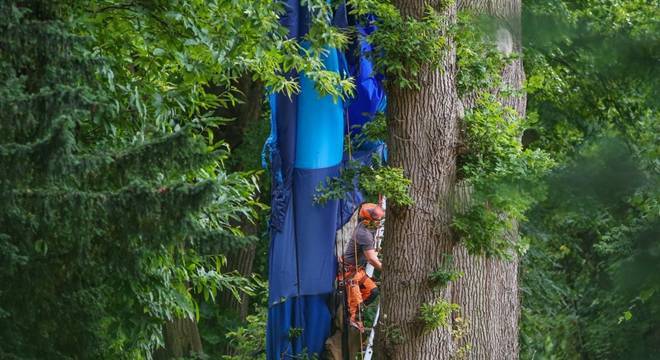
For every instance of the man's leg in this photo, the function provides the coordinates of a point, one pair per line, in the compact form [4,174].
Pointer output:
[354,301]
[368,290]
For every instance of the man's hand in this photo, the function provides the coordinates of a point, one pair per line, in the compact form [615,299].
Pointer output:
[372,258]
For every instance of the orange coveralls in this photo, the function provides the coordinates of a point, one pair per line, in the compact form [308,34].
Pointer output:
[360,288]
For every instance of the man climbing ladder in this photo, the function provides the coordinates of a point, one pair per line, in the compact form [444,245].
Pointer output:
[360,288]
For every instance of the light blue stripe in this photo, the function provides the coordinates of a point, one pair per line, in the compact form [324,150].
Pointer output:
[320,126]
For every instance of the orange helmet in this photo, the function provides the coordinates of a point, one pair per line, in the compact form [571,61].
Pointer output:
[371,212]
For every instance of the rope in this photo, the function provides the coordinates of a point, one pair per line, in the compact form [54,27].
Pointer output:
[379,233]
[350,143]
[359,309]
[344,340]
[355,254]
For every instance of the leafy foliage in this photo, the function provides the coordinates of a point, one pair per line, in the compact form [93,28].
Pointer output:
[594,259]
[374,180]
[99,236]
[590,279]
[442,276]
[436,314]
[173,59]
[374,130]
[502,180]
[249,342]
[402,44]
[479,60]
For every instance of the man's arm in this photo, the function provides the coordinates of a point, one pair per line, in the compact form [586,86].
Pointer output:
[372,258]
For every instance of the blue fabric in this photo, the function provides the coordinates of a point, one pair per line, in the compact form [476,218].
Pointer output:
[271,148]
[370,93]
[301,256]
[290,18]
[340,18]
[320,125]
[281,145]
[305,148]
[309,313]
[315,232]
[307,136]
[282,260]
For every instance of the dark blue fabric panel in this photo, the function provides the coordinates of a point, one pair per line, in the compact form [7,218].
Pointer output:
[282,152]
[281,318]
[286,118]
[303,20]
[315,232]
[291,17]
[286,109]
[281,142]
[317,320]
[369,87]
[340,17]
[310,313]
[283,269]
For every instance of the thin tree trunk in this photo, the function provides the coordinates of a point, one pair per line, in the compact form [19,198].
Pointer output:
[422,140]
[240,260]
[181,339]
[182,335]
[246,114]
[488,291]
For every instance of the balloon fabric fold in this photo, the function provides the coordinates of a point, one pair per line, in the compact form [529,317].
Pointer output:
[305,148]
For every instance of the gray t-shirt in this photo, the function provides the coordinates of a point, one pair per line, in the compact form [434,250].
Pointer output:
[366,240]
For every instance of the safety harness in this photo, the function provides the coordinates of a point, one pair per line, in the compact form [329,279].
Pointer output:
[349,274]
[344,269]
[380,231]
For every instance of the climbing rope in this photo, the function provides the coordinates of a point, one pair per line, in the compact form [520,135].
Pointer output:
[341,286]
[345,282]
[359,309]
[365,354]
[368,352]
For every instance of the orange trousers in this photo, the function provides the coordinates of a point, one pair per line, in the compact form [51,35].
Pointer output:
[359,288]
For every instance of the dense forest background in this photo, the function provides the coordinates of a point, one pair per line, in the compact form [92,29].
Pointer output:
[134,204]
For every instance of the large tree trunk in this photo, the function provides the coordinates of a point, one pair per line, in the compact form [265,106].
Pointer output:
[424,140]
[423,136]
[488,291]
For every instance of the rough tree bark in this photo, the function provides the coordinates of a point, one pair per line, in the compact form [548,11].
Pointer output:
[423,134]
[240,260]
[424,141]
[181,339]
[488,291]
